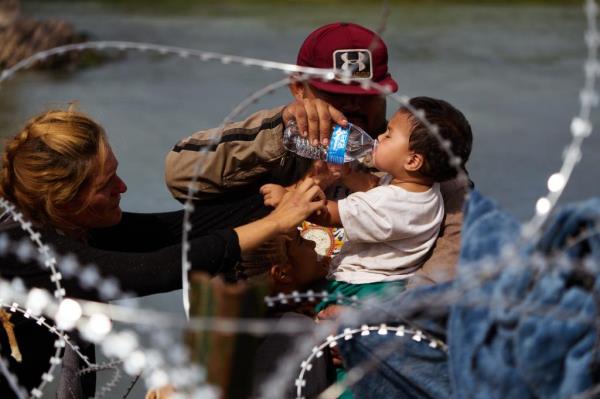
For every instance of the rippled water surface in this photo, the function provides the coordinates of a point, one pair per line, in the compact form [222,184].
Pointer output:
[514,71]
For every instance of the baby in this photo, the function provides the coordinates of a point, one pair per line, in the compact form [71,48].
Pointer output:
[391,223]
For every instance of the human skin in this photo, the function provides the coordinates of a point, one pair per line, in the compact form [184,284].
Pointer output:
[316,110]
[101,198]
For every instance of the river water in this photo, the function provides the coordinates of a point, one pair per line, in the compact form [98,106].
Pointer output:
[515,71]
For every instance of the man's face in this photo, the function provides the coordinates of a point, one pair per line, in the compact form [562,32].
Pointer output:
[365,111]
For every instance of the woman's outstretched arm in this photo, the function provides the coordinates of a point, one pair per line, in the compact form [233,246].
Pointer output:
[295,206]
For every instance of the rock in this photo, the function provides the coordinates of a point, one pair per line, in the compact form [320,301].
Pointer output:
[26,36]
[9,11]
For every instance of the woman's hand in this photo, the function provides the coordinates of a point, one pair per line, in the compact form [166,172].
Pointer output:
[294,207]
[297,205]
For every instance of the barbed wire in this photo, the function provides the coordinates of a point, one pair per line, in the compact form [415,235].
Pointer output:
[331,341]
[112,383]
[204,56]
[12,380]
[123,346]
[580,127]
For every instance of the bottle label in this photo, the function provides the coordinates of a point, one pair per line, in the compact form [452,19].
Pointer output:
[337,145]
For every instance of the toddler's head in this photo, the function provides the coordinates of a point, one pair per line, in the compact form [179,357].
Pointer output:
[409,149]
[288,262]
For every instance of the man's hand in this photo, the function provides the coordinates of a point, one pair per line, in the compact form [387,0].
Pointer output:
[314,118]
[272,194]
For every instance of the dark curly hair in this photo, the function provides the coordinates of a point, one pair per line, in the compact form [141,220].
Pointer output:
[452,126]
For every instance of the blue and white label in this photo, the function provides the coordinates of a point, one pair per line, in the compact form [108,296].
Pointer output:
[337,145]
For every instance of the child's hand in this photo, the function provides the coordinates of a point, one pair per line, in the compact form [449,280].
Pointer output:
[332,312]
[296,205]
[272,194]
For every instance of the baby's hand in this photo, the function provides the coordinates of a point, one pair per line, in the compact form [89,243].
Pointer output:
[272,194]
[332,312]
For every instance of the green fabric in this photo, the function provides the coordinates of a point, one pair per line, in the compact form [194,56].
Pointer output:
[361,291]
[340,375]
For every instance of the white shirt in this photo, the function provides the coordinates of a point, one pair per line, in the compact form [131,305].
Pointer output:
[388,233]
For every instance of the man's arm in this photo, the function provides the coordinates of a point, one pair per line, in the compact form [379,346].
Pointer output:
[240,154]
[225,159]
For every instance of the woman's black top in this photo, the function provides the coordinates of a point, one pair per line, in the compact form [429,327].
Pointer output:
[143,252]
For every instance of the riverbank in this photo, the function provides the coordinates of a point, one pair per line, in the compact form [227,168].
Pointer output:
[255,7]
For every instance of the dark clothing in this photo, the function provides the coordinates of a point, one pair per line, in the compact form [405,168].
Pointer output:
[143,252]
[277,347]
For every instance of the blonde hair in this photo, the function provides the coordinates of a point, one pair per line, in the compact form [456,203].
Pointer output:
[49,162]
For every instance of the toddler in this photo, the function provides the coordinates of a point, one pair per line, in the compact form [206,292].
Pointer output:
[391,223]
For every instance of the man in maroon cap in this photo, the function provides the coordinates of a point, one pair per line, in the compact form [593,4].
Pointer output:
[247,154]
[235,161]
[358,53]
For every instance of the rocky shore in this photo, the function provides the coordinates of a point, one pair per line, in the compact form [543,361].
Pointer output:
[21,37]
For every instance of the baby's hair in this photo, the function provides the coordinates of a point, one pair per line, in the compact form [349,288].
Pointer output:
[452,126]
[49,161]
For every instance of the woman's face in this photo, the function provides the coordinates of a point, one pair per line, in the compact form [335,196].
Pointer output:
[103,197]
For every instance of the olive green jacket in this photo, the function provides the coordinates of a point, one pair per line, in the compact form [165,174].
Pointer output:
[227,159]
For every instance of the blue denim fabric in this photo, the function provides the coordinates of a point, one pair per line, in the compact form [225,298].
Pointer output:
[529,330]
[414,370]
[411,369]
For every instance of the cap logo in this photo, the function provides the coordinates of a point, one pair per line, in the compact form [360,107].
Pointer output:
[357,62]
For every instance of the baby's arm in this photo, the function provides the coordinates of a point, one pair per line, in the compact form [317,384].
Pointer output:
[330,217]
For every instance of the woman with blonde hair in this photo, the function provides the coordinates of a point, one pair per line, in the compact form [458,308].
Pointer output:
[61,173]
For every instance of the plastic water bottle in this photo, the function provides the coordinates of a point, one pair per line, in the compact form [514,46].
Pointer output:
[345,145]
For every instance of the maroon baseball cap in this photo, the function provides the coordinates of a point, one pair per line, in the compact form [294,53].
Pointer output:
[349,48]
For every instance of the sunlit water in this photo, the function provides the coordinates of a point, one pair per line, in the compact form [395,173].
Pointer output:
[515,72]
